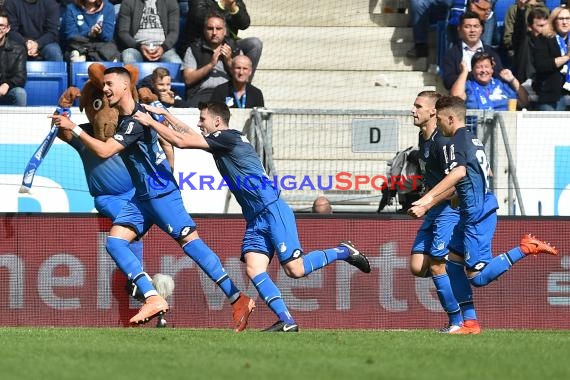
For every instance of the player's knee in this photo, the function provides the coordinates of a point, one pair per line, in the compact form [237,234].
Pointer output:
[294,269]
[478,280]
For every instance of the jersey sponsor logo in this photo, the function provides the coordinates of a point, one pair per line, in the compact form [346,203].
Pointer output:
[185,231]
[297,253]
[282,247]
[216,134]
[476,142]
[118,137]
[479,266]
[169,228]
[130,128]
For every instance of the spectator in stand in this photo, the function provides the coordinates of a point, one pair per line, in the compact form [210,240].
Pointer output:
[482,91]
[518,11]
[35,24]
[551,62]
[208,61]
[13,73]
[239,92]
[483,8]
[470,29]
[160,83]
[526,30]
[420,20]
[87,28]
[147,30]
[237,18]
[321,205]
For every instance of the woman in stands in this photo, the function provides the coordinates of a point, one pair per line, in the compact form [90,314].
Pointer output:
[87,29]
[481,90]
[551,62]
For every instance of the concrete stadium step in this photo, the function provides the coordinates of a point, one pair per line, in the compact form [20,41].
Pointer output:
[323,13]
[336,48]
[342,89]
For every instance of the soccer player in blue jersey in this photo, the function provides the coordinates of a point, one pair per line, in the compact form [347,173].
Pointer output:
[157,201]
[111,187]
[468,172]
[271,225]
[430,248]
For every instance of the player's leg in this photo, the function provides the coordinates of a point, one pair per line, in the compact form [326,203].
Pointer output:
[171,216]
[130,223]
[419,256]
[257,252]
[285,238]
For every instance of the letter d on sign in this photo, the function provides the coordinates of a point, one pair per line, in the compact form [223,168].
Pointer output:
[375,135]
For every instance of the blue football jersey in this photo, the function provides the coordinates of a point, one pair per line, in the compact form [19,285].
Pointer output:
[432,164]
[104,176]
[144,158]
[241,168]
[475,197]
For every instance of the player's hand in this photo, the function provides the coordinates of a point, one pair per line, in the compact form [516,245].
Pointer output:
[417,211]
[62,122]
[155,110]
[144,118]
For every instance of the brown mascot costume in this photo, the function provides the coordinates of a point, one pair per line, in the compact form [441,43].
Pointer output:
[103,121]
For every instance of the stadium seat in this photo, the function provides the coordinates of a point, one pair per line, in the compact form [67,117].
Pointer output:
[47,80]
[178,86]
[78,72]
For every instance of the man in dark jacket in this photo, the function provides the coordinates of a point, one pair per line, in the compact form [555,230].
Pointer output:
[238,92]
[237,18]
[208,61]
[142,36]
[35,24]
[13,73]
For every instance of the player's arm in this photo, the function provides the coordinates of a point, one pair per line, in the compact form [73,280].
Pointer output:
[101,149]
[181,135]
[440,192]
[168,150]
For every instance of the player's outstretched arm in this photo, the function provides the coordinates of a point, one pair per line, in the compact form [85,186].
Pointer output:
[187,139]
[101,149]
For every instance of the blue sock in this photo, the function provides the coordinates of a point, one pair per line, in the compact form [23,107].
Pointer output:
[315,260]
[447,299]
[128,263]
[210,263]
[461,289]
[496,267]
[136,247]
[272,296]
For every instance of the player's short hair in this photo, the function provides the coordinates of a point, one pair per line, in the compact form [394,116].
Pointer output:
[120,70]
[453,104]
[216,109]
[481,56]
[432,95]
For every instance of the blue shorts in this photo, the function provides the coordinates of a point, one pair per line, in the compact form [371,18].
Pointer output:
[473,240]
[273,230]
[111,205]
[435,232]
[167,212]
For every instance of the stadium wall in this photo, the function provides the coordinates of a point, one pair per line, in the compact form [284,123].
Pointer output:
[55,272]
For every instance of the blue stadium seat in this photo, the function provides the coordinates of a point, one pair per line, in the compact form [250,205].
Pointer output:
[78,73]
[178,86]
[551,4]
[47,80]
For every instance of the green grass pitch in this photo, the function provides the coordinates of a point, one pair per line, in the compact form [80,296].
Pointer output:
[172,353]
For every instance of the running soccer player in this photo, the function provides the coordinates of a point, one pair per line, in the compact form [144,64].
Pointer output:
[157,201]
[430,248]
[468,171]
[271,225]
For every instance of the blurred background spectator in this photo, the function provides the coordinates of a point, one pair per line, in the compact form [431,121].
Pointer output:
[551,56]
[147,30]
[35,24]
[237,18]
[208,60]
[239,92]
[87,30]
[12,66]
[481,90]
[160,83]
